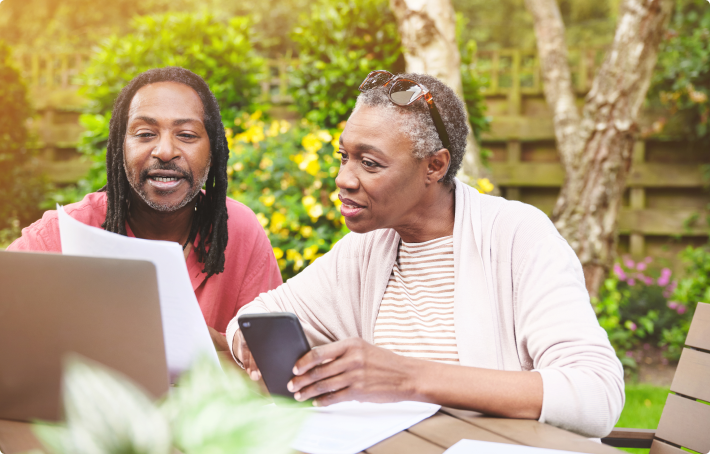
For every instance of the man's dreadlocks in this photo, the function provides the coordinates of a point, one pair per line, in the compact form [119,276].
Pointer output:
[210,220]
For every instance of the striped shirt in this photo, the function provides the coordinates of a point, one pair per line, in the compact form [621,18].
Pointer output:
[416,316]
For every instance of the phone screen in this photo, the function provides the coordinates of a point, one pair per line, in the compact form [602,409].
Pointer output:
[276,341]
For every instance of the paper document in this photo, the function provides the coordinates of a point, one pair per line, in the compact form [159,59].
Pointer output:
[350,427]
[487,447]
[184,328]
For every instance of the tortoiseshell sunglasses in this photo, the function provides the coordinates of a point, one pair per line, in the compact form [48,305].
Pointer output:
[403,92]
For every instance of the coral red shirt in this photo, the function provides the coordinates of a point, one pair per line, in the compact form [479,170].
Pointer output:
[249,269]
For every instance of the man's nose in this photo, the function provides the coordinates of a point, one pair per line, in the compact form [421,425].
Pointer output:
[346,178]
[166,150]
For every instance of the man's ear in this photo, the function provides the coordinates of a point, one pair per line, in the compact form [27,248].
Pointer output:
[438,166]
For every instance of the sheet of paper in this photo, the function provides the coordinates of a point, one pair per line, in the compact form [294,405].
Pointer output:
[184,327]
[350,427]
[487,447]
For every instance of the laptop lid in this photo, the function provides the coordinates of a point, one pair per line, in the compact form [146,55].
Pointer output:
[107,310]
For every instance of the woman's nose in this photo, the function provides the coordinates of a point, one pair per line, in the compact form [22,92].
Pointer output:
[346,179]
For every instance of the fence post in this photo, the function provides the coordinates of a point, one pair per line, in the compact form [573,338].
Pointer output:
[514,101]
[637,196]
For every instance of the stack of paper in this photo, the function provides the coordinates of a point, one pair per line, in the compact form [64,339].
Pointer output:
[350,427]
[184,328]
[487,447]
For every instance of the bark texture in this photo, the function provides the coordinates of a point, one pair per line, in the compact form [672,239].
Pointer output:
[596,147]
[428,32]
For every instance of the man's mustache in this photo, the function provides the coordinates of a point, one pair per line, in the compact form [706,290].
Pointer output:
[170,166]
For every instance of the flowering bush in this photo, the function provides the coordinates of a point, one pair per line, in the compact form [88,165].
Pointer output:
[634,307]
[286,174]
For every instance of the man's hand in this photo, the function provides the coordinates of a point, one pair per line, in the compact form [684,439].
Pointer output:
[218,339]
[242,352]
[352,369]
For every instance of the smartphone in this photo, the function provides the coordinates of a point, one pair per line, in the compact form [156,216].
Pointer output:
[276,341]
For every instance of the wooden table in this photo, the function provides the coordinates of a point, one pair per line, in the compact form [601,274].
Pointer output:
[449,426]
[431,436]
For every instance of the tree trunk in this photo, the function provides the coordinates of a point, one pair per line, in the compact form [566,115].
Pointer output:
[596,147]
[428,32]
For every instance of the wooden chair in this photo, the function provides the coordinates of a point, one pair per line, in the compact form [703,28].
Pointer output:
[685,422]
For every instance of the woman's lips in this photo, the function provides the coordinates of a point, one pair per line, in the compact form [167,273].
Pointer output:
[349,208]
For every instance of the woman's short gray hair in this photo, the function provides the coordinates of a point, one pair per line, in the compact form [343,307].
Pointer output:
[416,122]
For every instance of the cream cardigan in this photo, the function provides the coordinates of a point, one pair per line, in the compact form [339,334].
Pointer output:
[520,304]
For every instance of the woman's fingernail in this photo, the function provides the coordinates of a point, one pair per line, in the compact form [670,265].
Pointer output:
[295,370]
[297,396]
[289,386]
[316,403]
[254,376]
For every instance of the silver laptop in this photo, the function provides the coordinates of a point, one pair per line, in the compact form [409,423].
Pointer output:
[107,310]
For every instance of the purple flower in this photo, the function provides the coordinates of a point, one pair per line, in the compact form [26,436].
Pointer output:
[619,272]
[641,266]
[681,309]
[672,304]
[631,281]
[666,272]
[648,259]
[629,353]
[647,280]
[632,326]
[629,263]
[663,281]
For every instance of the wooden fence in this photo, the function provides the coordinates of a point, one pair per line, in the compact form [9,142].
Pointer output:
[665,186]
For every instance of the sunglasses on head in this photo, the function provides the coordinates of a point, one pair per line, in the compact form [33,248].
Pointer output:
[403,92]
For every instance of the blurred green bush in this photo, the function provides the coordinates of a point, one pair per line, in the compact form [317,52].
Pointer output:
[21,188]
[339,43]
[681,82]
[286,173]
[639,305]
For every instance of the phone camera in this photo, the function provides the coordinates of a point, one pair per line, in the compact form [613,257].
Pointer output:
[246,324]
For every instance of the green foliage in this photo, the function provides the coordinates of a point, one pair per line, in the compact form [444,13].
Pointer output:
[20,188]
[681,82]
[210,410]
[286,174]
[219,52]
[339,43]
[692,289]
[644,405]
[634,309]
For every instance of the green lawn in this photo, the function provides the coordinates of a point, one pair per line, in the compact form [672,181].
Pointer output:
[644,404]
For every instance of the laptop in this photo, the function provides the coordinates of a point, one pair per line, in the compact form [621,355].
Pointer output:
[52,305]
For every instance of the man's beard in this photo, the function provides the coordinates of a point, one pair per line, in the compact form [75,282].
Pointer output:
[138,183]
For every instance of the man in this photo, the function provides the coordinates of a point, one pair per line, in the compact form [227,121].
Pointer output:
[167,142]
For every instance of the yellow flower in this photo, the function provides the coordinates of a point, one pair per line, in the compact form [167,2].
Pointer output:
[336,141]
[262,219]
[273,129]
[238,167]
[324,136]
[313,167]
[310,252]
[284,126]
[277,221]
[308,201]
[315,211]
[334,195]
[265,162]
[296,256]
[255,116]
[298,158]
[311,143]
[485,185]
[282,264]
[278,253]
[306,231]
[267,200]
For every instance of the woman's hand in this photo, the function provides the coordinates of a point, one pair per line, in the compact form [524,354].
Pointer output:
[353,369]
[242,352]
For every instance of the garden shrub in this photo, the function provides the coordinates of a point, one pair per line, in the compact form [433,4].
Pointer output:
[286,173]
[681,82]
[339,43]
[21,189]
[220,52]
[634,308]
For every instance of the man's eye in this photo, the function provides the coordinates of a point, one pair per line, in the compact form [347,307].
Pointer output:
[188,136]
[145,134]
[343,157]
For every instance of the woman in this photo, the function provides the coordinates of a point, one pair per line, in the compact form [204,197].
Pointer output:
[442,294]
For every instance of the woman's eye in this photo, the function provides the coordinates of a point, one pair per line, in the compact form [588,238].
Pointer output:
[188,136]
[367,163]
[343,157]
[145,134]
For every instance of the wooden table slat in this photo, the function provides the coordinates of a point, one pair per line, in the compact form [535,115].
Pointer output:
[532,433]
[405,443]
[445,430]
[17,437]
